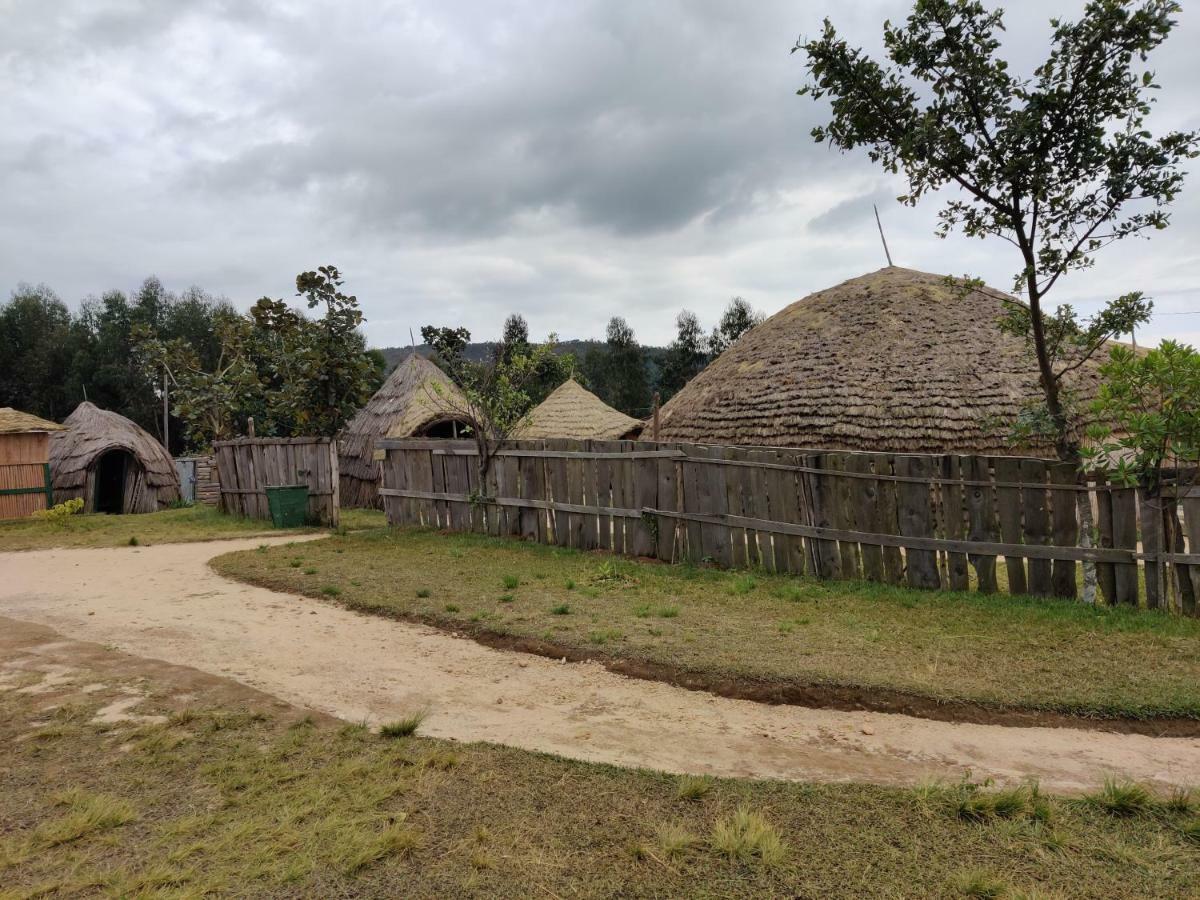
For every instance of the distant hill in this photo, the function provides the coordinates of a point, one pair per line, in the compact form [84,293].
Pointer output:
[482,350]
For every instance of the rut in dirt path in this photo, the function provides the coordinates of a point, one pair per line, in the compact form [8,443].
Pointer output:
[164,602]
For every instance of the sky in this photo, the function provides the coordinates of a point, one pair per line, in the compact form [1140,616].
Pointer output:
[460,160]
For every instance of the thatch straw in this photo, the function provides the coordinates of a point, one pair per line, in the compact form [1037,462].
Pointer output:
[89,433]
[892,361]
[13,421]
[417,397]
[572,411]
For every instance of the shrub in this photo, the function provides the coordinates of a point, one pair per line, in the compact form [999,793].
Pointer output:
[60,512]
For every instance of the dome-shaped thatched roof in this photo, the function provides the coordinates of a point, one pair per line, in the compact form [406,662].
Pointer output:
[416,397]
[572,411]
[89,433]
[896,360]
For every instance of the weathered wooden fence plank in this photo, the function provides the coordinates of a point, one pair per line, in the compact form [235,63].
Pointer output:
[982,525]
[1150,515]
[1008,509]
[1125,536]
[954,514]
[1064,528]
[1036,519]
[916,520]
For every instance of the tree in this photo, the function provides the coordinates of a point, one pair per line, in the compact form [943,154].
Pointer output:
[738,318]
[1059,164]
[494,394]
[293,375]
[1148,416]
[617,371]
[686,356]
[35,352]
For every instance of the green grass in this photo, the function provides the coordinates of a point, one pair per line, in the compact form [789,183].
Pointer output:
[238,796]
[192,523]
[1016,652]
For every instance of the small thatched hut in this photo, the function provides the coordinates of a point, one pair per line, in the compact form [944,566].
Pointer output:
[112,463]
[24,463]
[896,360]
[572,411]
[417,400]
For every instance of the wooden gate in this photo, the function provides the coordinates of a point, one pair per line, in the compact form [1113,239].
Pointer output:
[248,466]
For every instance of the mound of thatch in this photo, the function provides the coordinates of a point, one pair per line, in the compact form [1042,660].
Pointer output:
[572,411]
[13,421]
[893,361]
[417,400]
[148,481]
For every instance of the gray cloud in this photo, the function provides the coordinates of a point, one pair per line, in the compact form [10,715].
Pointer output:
[461,159]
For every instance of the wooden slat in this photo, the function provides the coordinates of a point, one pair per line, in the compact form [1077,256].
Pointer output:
[1064,529]
[1036,525]
[645,495]
[670,534]
[737,537]
[916,520]
[865,497]
[954,517]
[717,546]
[982,526]
[1008,508]
[1106,573]
[1125,536]
[818,502]
[888,518]
[1150,516]
[842,514]
[1191,529]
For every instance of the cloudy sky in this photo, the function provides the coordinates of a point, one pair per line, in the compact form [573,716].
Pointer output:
[462,159]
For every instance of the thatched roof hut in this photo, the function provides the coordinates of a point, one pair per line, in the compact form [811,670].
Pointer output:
[897,360]
[112,463]
[572,411]
[417,400]
[24,463]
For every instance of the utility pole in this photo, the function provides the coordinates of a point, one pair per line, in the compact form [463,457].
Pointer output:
[166,414]
[886,252]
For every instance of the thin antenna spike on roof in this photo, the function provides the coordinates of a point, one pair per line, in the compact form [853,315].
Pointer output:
[886,252]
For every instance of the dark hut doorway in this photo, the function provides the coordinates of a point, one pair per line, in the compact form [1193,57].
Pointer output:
[111,469]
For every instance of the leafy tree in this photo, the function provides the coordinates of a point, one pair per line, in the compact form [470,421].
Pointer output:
[495,393]
[1059,164]
[293,375]
[1149,421]
[738,318]
[35,352]
[617,371]
[686,356]
[1148,414]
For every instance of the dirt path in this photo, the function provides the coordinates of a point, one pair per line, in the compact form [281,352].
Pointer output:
[164,602]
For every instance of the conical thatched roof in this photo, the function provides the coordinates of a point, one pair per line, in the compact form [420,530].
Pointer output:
[892,361]
[13,421]
[572,411]
[416,396]
[89,433]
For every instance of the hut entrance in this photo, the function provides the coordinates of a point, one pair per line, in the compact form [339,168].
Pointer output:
[448,428]
[110,481]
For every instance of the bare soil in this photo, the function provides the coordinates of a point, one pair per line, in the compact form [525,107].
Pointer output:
[165,603]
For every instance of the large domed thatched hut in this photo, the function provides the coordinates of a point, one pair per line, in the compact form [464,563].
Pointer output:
[417,400]
[896,360]
[572,411]
[112,463]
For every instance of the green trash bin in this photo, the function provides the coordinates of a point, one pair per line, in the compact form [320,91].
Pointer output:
[289,504]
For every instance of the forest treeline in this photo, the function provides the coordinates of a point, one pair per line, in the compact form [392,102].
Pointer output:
[52,357]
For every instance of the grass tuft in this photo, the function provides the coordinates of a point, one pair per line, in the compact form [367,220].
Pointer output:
[88,814]
[511,582]
[693,787]
[1122,799]
[451,607]
[674,840]
[561,609]
[331,590]
[133,541]
[668,612]
[743,585]
[748,837]
[980,884]
[423,592]
[405,727]
[1022,802]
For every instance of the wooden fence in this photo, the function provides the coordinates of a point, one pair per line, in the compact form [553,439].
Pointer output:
[248,466]
[25,484]
[950,522]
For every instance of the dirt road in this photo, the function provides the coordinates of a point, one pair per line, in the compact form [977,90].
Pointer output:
[165,603]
